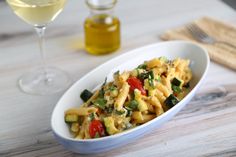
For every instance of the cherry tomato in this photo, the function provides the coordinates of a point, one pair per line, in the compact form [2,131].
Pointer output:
[96,128]
[135,83]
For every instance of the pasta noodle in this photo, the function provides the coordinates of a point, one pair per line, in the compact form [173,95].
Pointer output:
[121,97]
[82,111]
[133,98]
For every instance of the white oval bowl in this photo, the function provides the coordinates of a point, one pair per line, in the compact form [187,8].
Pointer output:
[173,49]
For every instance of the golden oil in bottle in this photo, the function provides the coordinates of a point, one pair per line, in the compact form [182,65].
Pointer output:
[102,29]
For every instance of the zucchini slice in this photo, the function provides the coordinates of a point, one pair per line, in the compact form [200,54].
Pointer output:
[71,118]
[110,125]
[74,127]
[171,101]
[85,95]
[176,82]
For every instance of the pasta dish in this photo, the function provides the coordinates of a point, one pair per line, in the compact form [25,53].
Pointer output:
[133,97]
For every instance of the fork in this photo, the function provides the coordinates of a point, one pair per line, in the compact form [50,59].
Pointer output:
[203,37]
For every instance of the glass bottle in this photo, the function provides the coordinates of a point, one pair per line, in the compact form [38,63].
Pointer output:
[102,28]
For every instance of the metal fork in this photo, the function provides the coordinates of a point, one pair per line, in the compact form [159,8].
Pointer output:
[203,37]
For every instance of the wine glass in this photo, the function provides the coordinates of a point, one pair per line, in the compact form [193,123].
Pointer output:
[38,13]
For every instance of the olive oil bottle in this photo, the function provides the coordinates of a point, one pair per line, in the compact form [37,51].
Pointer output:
[101,28]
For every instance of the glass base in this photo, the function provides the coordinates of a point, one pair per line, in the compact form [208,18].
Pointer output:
[44,81]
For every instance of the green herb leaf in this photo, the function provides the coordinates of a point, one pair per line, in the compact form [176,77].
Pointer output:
[146,75]
[104,83]
[101,93]
[133,105]
[97,135]
[143,76]
[128,108]
[142,66]
[129,113]
[92,116]
[117,73]
[112,87]
[151,74]
[176,89]
[100,102]
[119,112]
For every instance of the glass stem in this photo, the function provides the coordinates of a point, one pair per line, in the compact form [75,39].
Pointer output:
[41,31]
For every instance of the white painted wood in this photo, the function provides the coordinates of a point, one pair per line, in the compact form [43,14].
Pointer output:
[206,127]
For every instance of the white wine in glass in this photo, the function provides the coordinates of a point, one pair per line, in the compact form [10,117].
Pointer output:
[38,13]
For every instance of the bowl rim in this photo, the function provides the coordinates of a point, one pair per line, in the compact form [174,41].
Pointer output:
[205,52]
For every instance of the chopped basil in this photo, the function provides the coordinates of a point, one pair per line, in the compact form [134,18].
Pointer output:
[133,105]
[97,135]
[119,112]
[117,72]
[176,89]
[100,102]
[128,108]
[142,66]
[146,75]
[143,76]
[112,87]
[101,93]
[92,116]
[104,83]
[129,113]
[151,79]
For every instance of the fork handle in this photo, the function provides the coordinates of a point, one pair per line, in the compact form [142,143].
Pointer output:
[226,43]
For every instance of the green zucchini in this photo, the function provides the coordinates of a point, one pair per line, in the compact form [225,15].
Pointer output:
[176,89]
[171,101]
[85,95]
[74,127]
[100,102]
[187,85]
[133,105]
[176,82]
[71,118]
[142,66]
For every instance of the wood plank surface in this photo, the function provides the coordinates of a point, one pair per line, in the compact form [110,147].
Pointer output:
[205,127]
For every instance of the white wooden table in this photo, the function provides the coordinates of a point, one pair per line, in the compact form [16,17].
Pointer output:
[206,127]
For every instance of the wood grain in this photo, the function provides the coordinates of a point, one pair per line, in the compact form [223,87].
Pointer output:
[206,127]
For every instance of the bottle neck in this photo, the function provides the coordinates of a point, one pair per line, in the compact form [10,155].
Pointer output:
[108,12]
